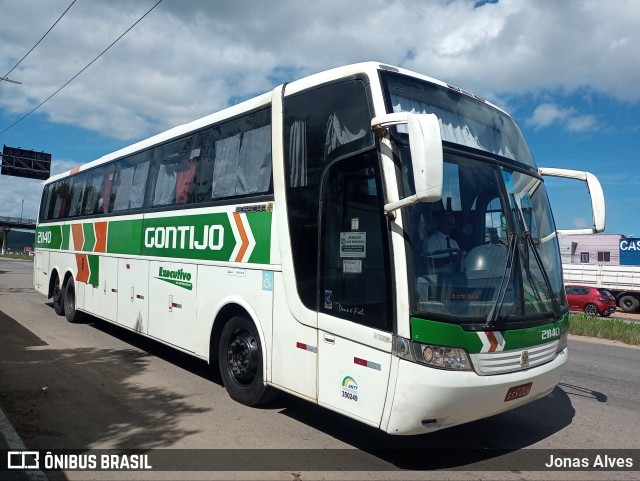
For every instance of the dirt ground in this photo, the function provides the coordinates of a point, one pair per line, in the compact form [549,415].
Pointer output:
[635,316]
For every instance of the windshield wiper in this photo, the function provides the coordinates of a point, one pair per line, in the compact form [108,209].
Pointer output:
[555,305]
[492,317]
[526,234]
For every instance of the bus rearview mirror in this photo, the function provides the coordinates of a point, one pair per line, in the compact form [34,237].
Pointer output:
[425,143]
[595,191]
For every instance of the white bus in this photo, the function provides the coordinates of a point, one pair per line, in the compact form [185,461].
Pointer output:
[288,239]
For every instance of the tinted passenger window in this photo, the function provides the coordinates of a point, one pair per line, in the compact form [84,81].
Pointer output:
[354,266]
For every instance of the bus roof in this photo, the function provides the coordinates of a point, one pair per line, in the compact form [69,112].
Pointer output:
[368,68]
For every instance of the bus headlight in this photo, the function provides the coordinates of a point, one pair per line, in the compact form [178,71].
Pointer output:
[440,357]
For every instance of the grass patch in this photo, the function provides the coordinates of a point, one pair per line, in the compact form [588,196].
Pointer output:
[604,328]
[17,256]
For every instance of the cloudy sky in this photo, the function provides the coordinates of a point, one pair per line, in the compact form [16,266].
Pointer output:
[568,71]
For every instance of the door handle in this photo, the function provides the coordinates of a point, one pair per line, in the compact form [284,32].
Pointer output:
[329,339]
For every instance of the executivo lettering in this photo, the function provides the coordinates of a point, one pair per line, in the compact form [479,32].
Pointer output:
[185,237]
[179,278]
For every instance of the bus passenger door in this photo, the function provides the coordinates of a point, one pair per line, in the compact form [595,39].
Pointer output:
[354,321]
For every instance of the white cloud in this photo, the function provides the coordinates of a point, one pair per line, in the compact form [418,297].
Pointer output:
[580,223]
[547,114]
[190,58]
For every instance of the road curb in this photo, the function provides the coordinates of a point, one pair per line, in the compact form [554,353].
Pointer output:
[11,440]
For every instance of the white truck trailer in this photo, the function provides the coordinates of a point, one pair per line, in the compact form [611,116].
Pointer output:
[610,262]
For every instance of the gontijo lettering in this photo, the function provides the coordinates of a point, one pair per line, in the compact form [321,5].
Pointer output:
[185,237]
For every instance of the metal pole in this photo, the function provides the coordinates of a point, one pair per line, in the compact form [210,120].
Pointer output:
[21,210]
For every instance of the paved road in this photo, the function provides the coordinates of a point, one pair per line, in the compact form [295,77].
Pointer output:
[96,386]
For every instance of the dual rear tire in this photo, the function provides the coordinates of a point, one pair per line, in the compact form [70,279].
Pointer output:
[64,300]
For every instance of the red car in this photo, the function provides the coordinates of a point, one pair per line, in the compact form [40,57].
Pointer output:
[591,300]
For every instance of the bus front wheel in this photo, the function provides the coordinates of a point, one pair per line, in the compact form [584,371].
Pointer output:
[240,363]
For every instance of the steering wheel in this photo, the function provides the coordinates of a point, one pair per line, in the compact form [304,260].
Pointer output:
[437,259]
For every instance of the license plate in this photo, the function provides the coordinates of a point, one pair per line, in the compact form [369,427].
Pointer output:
[517,392]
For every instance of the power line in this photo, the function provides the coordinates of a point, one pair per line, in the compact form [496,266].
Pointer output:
[85,68]
[42,38]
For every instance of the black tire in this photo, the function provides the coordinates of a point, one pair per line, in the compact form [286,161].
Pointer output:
[58,293]
[628,303]
[591,310]
[241,363]
[69,302]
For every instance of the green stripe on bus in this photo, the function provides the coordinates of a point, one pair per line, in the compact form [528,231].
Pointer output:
[49,237]
[452,335]
[89,237]
[66,237]
[209,237]
[124,237]
[444,334]
[94,270]
[521,338]
[260,223]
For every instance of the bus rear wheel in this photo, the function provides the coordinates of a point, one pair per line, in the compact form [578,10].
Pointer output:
[58,293]
[69,302]
[241,361]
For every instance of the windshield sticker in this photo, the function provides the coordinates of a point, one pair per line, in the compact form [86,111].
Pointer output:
[508,180]
[353,244]
[352,266]
[328,299]
[349,388]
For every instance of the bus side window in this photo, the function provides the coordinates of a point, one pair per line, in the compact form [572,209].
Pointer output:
[224,170]
[243,158]
[128,189]
[174,170]
[94,191]
[200,188]
[77,190]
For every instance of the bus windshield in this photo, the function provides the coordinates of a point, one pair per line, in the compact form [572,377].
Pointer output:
[486,254]
[464,120]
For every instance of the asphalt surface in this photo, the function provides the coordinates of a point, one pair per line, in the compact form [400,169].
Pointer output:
[10,440]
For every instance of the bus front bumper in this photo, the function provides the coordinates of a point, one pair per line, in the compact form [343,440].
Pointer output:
[427,399]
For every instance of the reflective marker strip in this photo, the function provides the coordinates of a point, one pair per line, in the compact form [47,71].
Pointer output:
[365,363]
[306,347]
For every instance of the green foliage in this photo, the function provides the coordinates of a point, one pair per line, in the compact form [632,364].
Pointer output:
[605,328]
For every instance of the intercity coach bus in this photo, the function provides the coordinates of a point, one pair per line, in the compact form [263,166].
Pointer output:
[287,240]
